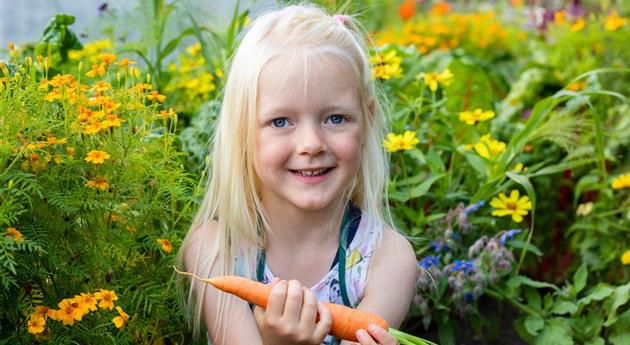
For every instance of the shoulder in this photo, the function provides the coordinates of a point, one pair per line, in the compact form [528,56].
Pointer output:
[197,242]
[391,277]
[394,254]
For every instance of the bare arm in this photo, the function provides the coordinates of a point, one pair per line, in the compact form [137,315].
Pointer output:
[391,279]
[240,326]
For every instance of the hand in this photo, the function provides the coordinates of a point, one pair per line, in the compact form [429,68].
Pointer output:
[376,335]
[291,314]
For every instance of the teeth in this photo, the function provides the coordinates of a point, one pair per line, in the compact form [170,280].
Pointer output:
[310,172]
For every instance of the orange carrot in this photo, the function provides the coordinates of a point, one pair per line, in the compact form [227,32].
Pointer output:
[345,321]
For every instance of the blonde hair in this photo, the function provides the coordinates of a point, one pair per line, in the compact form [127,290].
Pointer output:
[232,197]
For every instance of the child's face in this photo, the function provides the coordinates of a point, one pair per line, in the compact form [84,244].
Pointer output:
[308,143]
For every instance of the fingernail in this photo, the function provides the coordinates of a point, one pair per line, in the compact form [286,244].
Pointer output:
[361,333]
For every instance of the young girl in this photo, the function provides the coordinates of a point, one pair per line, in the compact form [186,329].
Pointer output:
[296,193]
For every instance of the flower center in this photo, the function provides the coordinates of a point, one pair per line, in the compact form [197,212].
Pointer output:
[511,205]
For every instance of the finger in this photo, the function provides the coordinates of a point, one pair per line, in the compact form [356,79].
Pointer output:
[309,310]
[364,338]
[277,297]
[381,336]
[325,322]
[275,281]
[293,304]
[259,315]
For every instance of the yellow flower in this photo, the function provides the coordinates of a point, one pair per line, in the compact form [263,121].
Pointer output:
[165,244]
[515,206]
[156,97]
[625,257]
[14,234]
[97,157]
[106,299]
[107,59]
[194,49]
[120,320]
[69,312]
[400,142]
[472,117]
[43,312]
[622,181]
[36,325]
[613,22]
[578,25]
[432,79]
[559,17]
[386,66]
[489,148]
[99,182]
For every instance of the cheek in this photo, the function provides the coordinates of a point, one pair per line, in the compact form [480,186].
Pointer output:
[349,149]
[269,153]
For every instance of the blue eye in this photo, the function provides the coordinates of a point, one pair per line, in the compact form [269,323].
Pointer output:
[279,122]
[336,119]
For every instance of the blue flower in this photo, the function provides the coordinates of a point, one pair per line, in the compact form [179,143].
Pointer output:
[464,266]
[508,235]
[429,261]
[474,207]
[469,296]
[438,246]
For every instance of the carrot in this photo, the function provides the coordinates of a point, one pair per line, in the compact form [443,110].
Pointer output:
[345,321]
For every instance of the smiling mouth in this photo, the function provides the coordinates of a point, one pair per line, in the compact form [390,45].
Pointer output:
[310,173]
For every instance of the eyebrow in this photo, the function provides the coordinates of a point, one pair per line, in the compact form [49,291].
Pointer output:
[281,111]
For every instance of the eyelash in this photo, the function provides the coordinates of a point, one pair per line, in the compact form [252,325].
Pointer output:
[343,117]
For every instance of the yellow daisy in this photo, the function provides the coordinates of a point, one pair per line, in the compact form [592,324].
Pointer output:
[515,205]
[622,181]
[400,142]
[97,157]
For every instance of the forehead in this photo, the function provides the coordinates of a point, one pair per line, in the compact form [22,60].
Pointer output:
[310,82]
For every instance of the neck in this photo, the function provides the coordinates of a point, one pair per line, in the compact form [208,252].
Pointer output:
[291,227]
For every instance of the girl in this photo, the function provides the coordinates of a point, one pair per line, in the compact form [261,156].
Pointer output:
[296,193]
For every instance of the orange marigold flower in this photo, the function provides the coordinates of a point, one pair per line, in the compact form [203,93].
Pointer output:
[111,120]
[165,244]
[106,299]
[124,63]
[36,325]
[14,234]
[169,113]
[69,312]
[99,182]
[407,9]
[107,59]
[97,70]
[121,319]
[154,96]
[440,9]
[87,301]
[101,86]
[92,128]
[97,157]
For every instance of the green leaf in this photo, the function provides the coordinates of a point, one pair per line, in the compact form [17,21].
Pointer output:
[622,295]
[596,341]
[533,324]
[423,188]
[560,167]
[556,332]
[519,244]
[445,332]
[172,44]
[579,279]
[417,154]
[564,307]
[519,280]
[622,338]
[533,298]
[601,291]
[477,163]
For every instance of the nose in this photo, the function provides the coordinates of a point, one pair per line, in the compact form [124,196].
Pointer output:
[311,140]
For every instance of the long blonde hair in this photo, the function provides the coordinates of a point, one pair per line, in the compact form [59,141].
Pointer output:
[232,197]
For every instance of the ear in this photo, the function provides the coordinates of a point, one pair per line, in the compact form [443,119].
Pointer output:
[372,107]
